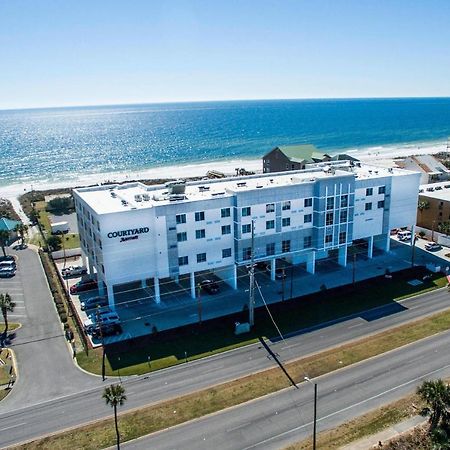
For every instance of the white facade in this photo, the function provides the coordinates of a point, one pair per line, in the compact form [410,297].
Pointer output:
[134,232]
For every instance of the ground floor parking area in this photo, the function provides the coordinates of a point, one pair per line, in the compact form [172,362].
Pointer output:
[140,313]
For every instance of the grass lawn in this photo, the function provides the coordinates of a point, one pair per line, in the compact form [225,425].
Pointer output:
[71,240]
[11,326]
[161,415]
[169,348]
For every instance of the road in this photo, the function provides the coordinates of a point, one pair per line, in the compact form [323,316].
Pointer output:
[277,420]
[74,409]
[46,369]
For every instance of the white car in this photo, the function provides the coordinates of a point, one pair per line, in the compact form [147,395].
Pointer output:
[73,271]
[432,246]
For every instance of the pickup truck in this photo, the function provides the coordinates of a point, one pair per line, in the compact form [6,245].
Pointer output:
[73,271]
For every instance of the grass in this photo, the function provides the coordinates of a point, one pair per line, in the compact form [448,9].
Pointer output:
[175,411]
[71,240]
[11,327]
[363,426]
[169,349]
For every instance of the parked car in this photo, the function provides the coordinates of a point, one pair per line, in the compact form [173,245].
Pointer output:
[211,287]
[262,265]
[6,272]
[8,264]
[280,274]
[94,302]
[83,286]
[106,330]
[72,271]
[404,235]
[432,246]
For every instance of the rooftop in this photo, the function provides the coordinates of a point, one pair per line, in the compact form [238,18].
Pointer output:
[132,196]
[439,191]
[8,224]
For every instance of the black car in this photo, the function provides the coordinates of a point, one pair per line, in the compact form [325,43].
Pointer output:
[211,287]
[106,330]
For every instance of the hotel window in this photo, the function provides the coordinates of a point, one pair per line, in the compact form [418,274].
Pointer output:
[286,222]
[286,205]
[329,218]
[270,224]
[100,243]
[368,207]
[183,261]
[381,204]
[226,252]
[330,203]
[180,218]
[200,234]
[307,242]
[98,225]
[270,207]
[308,202]
[285,246]
[246,253]
[247,228]
[307,218]
[201,257]
[369,191]
[246,211]
[382,190]
[328,238]
[103,268]
[181,237]
[343,216]
[344,201]
[270,249]
[226,229]
[225,212]
[199,216]
[342,237]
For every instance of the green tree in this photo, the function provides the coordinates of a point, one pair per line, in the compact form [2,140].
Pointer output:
[444,227]
[115,395]
[54,242]
[436,395]
[21,229]
[423,204]
[60,204]
[4,237]
[6,305]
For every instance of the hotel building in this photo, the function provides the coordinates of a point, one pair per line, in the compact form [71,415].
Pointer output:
[132,232]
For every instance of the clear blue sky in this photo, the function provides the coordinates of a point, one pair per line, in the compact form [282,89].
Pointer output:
[100,52]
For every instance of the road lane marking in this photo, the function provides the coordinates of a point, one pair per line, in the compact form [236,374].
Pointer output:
[13,426]
[284,433]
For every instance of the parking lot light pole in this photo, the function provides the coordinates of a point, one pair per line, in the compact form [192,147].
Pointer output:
[199,303]
[315,411]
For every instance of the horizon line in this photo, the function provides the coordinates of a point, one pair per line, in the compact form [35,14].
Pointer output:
[174,102]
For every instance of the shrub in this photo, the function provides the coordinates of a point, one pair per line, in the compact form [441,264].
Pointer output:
[54,242]
[60,204]
[63,317]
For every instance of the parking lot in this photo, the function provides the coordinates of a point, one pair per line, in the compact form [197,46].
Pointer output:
[140,314]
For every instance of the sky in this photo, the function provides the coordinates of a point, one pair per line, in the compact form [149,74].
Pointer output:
[61,53]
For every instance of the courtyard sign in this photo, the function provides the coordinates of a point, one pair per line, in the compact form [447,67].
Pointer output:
[128,235]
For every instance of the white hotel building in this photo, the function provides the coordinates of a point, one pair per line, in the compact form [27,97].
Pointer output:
[133,232]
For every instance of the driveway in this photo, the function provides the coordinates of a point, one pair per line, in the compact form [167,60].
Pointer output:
[45,367]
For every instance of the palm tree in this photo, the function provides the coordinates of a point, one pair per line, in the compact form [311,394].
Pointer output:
[115,395]
[423,204]
[436,395]
[4,237]
[21,229]
[6,305]
[444,227]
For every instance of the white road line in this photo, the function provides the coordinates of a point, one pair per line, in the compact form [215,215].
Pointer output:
[426,375]
[13,426]
[355,326]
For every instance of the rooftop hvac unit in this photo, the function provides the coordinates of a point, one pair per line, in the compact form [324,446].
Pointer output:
[113,195]
[176,187]
[145,197]
[176,197]
[138,198]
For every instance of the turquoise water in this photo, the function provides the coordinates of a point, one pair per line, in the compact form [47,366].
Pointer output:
[61,143]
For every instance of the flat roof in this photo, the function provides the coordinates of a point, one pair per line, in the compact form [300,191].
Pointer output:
[439,191]
[105,199]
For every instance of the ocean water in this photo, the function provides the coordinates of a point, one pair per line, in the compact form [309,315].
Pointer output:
[58,144]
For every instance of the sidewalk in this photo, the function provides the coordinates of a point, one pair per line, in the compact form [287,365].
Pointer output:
[393,431]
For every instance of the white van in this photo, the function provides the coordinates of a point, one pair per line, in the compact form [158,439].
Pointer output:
[404,235]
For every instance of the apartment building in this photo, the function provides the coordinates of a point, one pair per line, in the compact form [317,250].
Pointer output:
[132,232]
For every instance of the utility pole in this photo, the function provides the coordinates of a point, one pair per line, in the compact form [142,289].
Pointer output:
[251,300]
[315,411]
[292,279]
[354,269]
[413,244]
[282,284]
[199,304]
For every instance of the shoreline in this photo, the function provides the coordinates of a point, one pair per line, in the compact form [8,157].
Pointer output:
[382,156]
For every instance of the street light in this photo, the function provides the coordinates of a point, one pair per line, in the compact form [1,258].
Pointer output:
[315,411]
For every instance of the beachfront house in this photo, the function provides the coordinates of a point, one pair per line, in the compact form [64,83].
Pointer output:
[431,170]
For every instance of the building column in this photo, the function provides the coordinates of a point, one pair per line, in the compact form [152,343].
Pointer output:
[110,288]
[342,256]
[156,289]
[413,234]
[234,279]
[101,288]
[272,268]
[83,259]
[311,263]
[370,248]
[388,243]
[144,283]
[192,276]
[91,267]
[176,278]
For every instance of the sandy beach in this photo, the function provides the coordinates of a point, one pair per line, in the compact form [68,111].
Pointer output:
[383,156]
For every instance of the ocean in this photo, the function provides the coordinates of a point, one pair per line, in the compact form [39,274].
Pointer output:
[62,144]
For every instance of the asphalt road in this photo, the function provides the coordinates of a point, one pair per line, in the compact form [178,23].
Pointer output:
[24,423]
[46,369]
[277,420]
